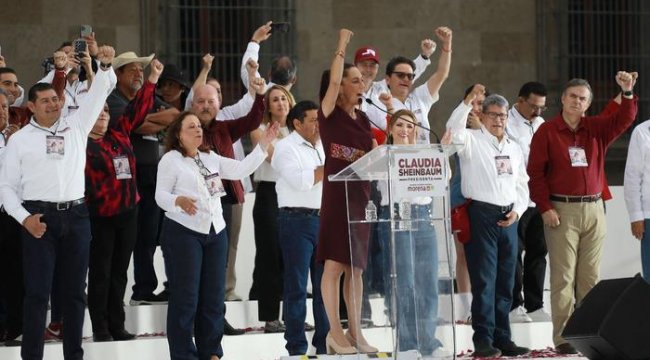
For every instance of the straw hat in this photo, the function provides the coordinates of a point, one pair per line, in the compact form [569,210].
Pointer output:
[130,57]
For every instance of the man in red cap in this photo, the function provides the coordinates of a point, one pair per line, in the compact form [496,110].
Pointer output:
[366,58]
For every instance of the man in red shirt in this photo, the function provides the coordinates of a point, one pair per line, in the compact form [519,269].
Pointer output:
[566,169]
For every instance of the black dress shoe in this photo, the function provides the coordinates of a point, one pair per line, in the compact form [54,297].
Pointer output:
[102,336]
[512,349]
[566,349]
[229,330]
[122,335]
[485,350]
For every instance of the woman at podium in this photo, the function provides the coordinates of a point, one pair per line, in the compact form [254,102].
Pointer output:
[346,136]
[416,254]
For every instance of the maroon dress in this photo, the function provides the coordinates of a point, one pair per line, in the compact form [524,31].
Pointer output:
[344,140]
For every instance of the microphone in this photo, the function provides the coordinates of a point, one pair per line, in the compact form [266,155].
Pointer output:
[369,101]
[360,101]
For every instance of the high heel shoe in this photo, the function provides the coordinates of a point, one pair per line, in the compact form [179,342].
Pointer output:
[334,348]
[363,348]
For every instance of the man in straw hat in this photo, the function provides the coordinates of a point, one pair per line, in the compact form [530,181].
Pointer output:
[129,68]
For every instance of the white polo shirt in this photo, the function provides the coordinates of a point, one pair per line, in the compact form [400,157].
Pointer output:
[27,168]
[480,155]
[295,159]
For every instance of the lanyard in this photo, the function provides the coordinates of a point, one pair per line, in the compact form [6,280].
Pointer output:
[35,124]
[320,160]
[202,169]
[492,142]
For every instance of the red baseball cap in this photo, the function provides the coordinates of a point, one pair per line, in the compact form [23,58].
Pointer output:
[366,53]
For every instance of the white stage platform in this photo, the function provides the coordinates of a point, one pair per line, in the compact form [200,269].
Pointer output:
[149,323]
[151,319]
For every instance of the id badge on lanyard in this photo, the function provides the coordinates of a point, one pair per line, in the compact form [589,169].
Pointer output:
[214,184]
[122,167]
[503,165]
[54,147]
[578,156]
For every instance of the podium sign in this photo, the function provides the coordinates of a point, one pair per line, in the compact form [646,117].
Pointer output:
[418,174]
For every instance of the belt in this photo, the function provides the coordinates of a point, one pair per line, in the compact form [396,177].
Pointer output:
[576,199]
[58,206]
[499,208]
[302,210]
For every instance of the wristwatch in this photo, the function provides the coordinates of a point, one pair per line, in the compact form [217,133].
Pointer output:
[628,93]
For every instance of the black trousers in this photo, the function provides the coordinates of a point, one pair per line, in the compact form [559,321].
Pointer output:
[144,272]
[531,269]
[110,252]
[11,274]
[267,276]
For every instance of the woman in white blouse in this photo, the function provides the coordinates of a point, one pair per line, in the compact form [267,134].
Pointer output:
[188,190]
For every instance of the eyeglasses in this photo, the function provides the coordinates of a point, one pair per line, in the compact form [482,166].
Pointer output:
[536,108]
[404,75]
[494,116]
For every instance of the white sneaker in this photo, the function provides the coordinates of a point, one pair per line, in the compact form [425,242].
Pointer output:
[519,315]
[539,315]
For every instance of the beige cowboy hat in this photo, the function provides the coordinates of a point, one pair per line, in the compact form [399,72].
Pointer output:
[130,57]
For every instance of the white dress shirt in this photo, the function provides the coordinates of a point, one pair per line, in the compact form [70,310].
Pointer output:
[480,180]
[419,101]
[252,52]
[179,175]
[28,173]
[636,183]
[295,159]
[521,131]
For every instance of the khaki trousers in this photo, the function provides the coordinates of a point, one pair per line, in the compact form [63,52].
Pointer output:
[574,250]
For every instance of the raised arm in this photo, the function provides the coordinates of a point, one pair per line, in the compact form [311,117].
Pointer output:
[143,102]
[94,102]
[438,78]
[336,73]
[422,61]
[232,169]
[202,78]
[457,122]
[260,35]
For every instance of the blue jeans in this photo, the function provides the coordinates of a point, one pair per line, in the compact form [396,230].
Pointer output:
[66,243]
[196,273]
[645,250]
[416,254]
[491,261]
[298,237]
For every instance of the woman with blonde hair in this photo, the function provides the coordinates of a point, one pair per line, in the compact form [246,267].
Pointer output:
[267,274]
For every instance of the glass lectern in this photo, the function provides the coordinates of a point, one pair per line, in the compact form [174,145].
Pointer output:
[409,218]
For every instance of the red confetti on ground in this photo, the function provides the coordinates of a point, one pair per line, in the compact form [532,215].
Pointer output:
[549,352]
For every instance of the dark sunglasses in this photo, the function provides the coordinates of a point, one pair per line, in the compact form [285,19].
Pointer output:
[403,75]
